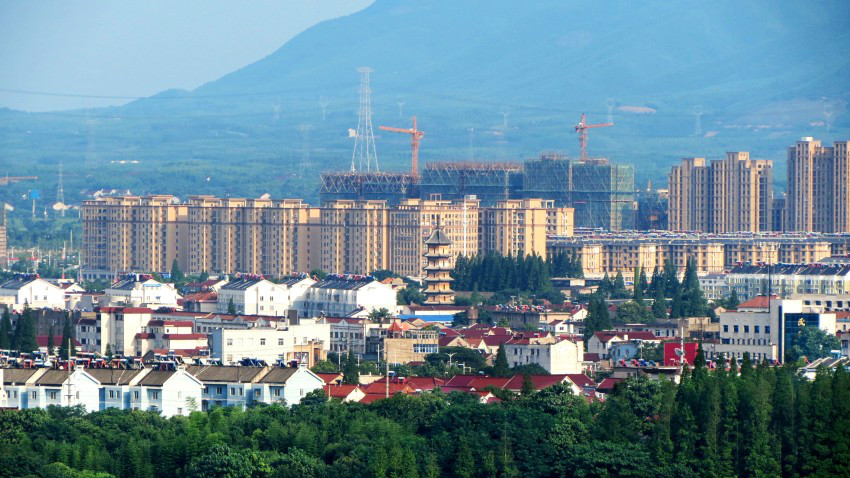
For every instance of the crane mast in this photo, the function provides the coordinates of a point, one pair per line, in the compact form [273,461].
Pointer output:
[581,129]
[415,136]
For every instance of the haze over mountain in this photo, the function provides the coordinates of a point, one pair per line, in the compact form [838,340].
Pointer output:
[519,74]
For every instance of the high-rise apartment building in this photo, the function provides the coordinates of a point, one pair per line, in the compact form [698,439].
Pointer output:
[818,199]
[520,226]
[278,237]
[254,236]
[413,221]
[132,233]
[354,236]
[4,259]
[729,195]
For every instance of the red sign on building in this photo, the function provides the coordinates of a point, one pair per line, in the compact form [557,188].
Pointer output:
[673,353]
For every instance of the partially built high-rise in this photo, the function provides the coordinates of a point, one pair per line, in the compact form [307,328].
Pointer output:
[602,193]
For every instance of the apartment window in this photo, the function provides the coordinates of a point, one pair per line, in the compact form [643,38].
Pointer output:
[277,392]
[229,341]
[767,329]
[219,390]
[53,395]
[735,329]
[155,395]
[179,411]
[206,390]
[280,342]
[262,342]
[746,329]
[135,395]
[756,328]
[112,394]
[232,390]
[726,328]
[34,395]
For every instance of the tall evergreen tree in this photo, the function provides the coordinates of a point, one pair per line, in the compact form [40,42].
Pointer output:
[176,273]
[637,289]
[6,331]
[25,332]
[500,365]
[619,287]
[659,304]
[50,341]
[67,348]
[351,371]
[695,304]
[671,279]
[677,306]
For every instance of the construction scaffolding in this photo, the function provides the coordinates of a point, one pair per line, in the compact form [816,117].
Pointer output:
[601,193]
[391,187]
[489,182]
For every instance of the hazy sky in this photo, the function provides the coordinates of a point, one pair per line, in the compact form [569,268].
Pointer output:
[139,47]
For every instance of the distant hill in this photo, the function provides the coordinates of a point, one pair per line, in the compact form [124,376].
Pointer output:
[519,74]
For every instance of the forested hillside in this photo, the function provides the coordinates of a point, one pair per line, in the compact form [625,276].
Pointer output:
[764,422]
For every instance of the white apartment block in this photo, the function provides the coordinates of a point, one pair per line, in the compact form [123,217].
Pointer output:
[29,289]
[346,296]
[268,344]
[349,334]
[556,355]
[139,290]
[765,328]
[169,392]
[254,295]
[119,326]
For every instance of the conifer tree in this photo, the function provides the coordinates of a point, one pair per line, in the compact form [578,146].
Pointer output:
[619,287]
[6,331]
[659,304]
[677,306]
[527,385]
[351,372]
[25,332]
[67,340]
[50,339]
[500,365]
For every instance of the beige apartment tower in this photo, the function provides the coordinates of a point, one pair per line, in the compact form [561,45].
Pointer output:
[520,226]
[276,237]
[730,195]
[413,221]
[818,180]
[133,233]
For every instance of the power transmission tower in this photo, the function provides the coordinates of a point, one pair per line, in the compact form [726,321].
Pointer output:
[365,158]
[60,191]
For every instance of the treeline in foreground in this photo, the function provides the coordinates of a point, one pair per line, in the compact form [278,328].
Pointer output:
[762,423]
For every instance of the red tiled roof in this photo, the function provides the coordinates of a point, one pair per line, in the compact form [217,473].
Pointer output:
[184,336]
[125,310]
[340,391]
[41,340]
[608,384]
[373,397]
[330,377]
[380,387]
[144,335]
[170,323]
[757,302]
[589,357]
[202,296]
[539,381]
[582,380]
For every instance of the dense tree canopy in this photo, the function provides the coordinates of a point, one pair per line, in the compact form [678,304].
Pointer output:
[762,422]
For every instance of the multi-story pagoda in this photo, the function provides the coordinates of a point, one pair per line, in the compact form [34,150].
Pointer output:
[437,278]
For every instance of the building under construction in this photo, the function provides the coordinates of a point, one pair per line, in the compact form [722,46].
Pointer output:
[391,187]
[602,193]
[489,182]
